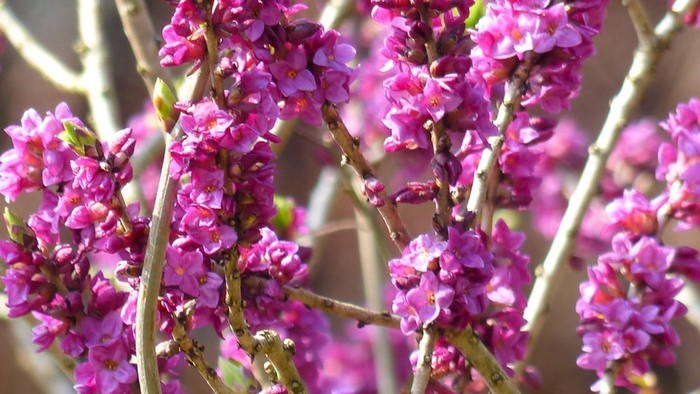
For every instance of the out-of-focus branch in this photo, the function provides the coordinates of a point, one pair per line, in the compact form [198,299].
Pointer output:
[97,75]
[643,64]
[144,41]
[368,238]
[149,380]
[193,352]
[354,157]
[38,57]
[332,306]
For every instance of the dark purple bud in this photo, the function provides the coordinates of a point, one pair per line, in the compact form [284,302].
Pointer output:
[414,193]
[82,268]
[73,303]
[62,255]
[371,188]
[419,31]
[540,130]
[122,142]
[446,167]
[685,262]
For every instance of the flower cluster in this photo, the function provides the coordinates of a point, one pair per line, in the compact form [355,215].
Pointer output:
[305,64]
[627,304]
[459,281]
[561,32]
[49,275]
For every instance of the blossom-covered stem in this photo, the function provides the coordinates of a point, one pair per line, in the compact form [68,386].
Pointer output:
[38,57]
[640,20]
[154,259]
[643,64]
[143,40]
[193,352]
[97,74]
[425,357]
[368,239]
[438,138]
[354,157]
[280,355]
[467,341]
[511,103]
[333,14]
[212,41]
[234,301]
[339,308]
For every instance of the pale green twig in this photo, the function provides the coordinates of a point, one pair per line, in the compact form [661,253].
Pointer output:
[645,60]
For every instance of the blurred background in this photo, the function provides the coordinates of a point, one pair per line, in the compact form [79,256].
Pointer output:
[337,272]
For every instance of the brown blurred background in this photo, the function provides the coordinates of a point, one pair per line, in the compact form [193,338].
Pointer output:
[53,23]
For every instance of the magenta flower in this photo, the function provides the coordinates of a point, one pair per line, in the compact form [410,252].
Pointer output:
[183,269]
[430,297]
[207,187]
[410,321]
[332,54]
[103,331]
[45,333]
[438,98]
[111,367]
[291,74]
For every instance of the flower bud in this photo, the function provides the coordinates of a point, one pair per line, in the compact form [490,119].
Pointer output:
[414,193]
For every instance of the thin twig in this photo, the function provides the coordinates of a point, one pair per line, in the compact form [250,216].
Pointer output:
[354,157]
[192,350]
[424,366]
[440,140]
[144,41]
[487,165]
[97,75]
[339,308]
[368,238]
[154,259]
[470,345]
[640,20]
[645,60]
[38,57]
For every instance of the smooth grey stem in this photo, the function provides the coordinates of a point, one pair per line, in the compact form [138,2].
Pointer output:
[644,62]
[38,57]
[149,379]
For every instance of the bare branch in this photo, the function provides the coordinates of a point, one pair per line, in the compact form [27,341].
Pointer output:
[154,260]
[38,57]
[645,59]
